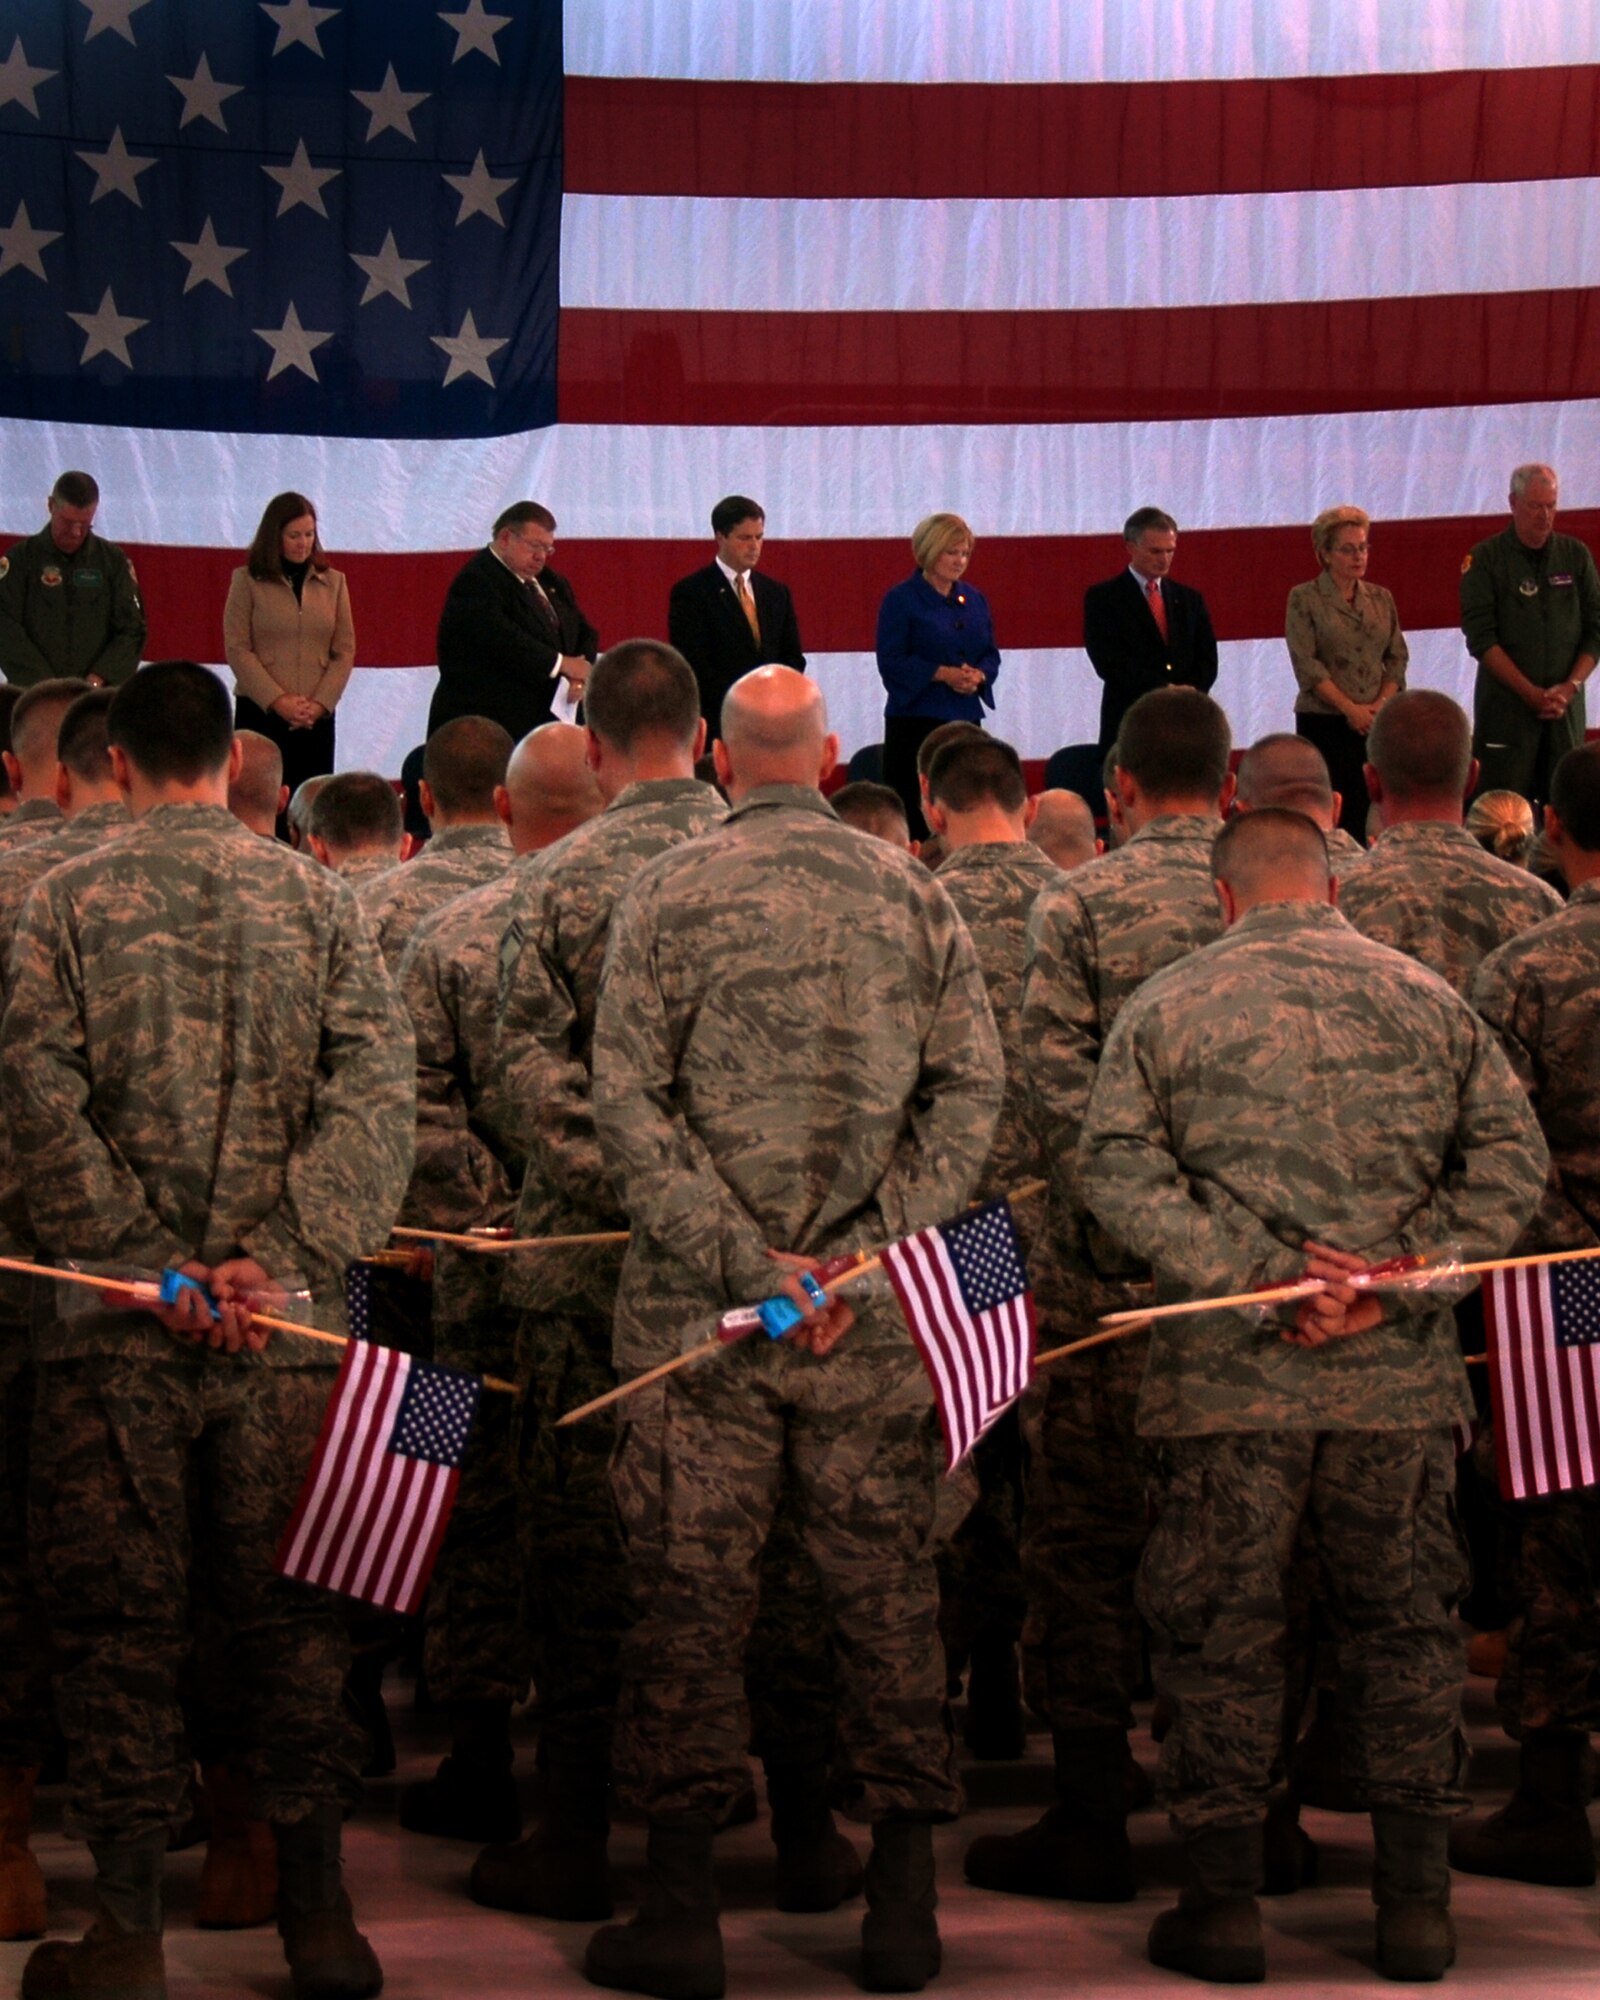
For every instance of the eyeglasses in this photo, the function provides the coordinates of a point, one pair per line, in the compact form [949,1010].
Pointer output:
[1350,548]
[530,541]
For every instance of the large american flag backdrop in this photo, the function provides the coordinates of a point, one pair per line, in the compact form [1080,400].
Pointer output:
[1039,263]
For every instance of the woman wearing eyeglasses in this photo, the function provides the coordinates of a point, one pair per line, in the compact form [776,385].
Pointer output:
[1349,655]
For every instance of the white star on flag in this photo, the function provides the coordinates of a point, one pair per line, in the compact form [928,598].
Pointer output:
[468,350]
[107,331]
[474,29]
[117,171]
[480,192]
[19,80]
[291,345]
[297,21]
[114,14]
[387,272]
[301,182]
[208,260]
[391,107]
[21,244]
[203,96]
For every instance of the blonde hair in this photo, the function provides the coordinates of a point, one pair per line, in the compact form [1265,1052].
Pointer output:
[936,536]
[1502,822]
[1327,525]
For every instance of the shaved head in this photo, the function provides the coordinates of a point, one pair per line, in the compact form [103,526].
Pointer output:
[1421,747]
[549,787]
[253,795]
[774,731]
[1063,828]
[1288,771]
[1270,856]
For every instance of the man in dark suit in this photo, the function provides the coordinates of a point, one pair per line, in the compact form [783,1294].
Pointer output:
[725,619]
[511,630]
[1144,631]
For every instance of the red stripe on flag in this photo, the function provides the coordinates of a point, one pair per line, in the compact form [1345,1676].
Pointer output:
[1034,584]
[310,1490]
[365,1392]
[658,367]
[636,135]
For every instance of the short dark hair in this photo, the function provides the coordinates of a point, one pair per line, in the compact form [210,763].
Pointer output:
[36,719]
[642,688]
[1285,770]
[1421,745]
[1272,840]
[356,810]
[868,806]
[76,489]
[737,507]
[1142,519]
[83,741]
[9,697]
[1575,796]
[173,721]
[266,551]
[523,513]
[976,771]
[464,760]
[936,739]
[1175,743]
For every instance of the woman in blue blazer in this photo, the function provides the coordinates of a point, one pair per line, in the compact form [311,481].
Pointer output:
[936,652]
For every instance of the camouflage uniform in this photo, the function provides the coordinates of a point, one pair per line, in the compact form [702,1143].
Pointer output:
[27,1724]
[1294,1080]
[1431,891]
[793,1048]
[361,870]
[1344,851]
[466,1177]
[68,615]
[185,1088]
[1092,940]
[456,859]
[574,1565]
[1541,995]
[32,820]
[1543,607]
[994,885]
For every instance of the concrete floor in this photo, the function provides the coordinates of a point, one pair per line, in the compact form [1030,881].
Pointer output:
[409,1896]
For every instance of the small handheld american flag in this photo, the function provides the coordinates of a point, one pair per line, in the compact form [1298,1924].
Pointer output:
[383,1478]
[964,1292]
[1543,1323]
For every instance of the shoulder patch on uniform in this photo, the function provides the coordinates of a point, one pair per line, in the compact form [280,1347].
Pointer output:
[133,575]
[1466,562]
[50,577]
[5,567]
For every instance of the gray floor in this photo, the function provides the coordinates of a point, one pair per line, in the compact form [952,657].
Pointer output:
[408,1893]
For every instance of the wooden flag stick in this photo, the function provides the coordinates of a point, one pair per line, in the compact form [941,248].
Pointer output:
[146,1293]
[494,1244]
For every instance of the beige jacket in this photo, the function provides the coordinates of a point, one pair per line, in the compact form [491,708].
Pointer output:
[276,646]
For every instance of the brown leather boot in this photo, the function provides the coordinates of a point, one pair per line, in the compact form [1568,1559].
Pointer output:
[239,1877]
[22,1900]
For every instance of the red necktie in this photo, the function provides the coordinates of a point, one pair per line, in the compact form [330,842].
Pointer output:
[1158,609]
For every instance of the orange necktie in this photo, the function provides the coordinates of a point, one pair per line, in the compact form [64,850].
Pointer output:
[747,605]
[1158,609]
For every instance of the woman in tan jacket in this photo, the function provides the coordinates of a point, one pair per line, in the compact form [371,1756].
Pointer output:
[289,638]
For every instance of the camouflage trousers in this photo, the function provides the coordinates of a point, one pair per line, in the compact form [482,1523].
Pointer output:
[144,1474]
[579,1581]
[1552,1675]
[1086,1515]
[1213,1584]
[475,1639]
[699,1474]
[27,1707]
[980,1569]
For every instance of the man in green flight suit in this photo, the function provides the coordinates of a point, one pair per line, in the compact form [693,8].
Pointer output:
[69,602]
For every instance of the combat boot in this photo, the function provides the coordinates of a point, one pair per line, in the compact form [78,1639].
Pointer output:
[1541,1833]
[1080,1849]
[818,1868]
[562,1869]
[22,1899]
[1215,1931]
[239,1877]
[328,1957]
[900,1949]
[119,1957]
[994,1730]
[472,1795]
[673,1947]
[1411,1887]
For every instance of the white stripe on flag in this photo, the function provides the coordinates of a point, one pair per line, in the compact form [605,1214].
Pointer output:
[924,1259]
[364,1393]
[348,1521]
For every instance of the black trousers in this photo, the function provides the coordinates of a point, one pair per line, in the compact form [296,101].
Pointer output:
[307,753]
[903,737]
[1345,751]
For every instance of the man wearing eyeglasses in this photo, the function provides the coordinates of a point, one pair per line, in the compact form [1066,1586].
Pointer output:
[512,636]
